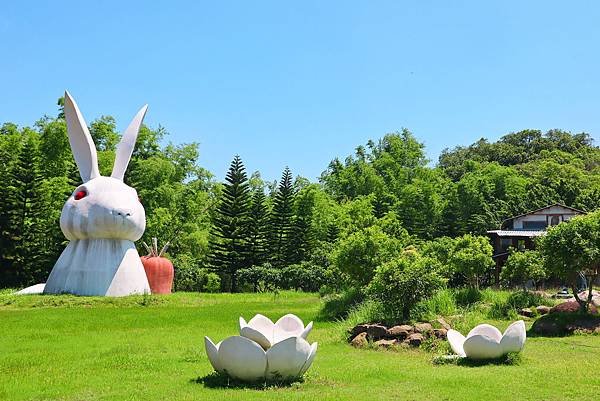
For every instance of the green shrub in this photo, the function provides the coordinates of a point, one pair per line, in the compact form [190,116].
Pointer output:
[213,283]
[402,283]
[189,276]
[262,278]
[442,303]
[509,307]
[467,296]
[338,306]
[304,276]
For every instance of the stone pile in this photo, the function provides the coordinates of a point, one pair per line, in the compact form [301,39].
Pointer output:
[399,335]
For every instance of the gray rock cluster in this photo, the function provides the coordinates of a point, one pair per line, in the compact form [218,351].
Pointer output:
[400,335]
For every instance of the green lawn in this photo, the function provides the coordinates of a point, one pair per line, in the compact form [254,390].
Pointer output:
[151,348]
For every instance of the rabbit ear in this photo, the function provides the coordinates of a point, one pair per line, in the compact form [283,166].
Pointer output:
[81,141]
[125,148]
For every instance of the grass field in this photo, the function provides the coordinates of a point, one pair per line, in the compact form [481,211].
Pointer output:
[151,348]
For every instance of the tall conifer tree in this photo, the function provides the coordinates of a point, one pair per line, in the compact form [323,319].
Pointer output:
[229,243]
[258,229]
[281,219]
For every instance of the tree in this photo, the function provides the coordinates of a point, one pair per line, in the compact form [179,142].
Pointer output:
[360,253]
[258,229]
[573,248]
[523,266]
[472,256]
[281,220]
[302,237]
[404,281]
[229,244]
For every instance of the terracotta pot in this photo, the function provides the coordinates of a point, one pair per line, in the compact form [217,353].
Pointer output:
[160,274]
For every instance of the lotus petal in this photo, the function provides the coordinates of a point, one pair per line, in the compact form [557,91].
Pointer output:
[263,324]
[255,336]
[306,330]
[514,337]
[486,330]
[287,326]
[456,341]
[287,358]
[480,346]
[309,361]
[242,358]
[242,323]
[212,351]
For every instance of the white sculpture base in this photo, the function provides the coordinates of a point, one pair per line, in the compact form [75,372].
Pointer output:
[101,267]
[32,290]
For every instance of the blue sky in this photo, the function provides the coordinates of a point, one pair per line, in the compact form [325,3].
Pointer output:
[298,83]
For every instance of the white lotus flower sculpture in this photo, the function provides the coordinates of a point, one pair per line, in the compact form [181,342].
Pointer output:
[262,330]
[487,342]
[264,350]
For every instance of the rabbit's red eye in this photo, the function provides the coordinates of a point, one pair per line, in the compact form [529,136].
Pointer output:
[80,195]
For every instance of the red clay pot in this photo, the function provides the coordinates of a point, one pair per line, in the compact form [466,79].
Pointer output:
[160,273]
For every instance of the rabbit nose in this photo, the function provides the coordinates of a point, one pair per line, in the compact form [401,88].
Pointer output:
[122,212]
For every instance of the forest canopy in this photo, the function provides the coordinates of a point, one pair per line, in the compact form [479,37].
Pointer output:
[248,234]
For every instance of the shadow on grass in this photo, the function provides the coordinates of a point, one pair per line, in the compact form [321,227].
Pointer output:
[219,380]
[511,359]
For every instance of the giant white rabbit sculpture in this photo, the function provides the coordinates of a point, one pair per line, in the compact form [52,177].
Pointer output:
[101,219]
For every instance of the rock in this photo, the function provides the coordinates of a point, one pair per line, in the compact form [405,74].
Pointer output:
[356,330]
[423,328]
[571,307]
[360,340]
[374,331]
[443,323]
[415,339]
[440,333]
[385,343]
[526,312]
[399,332]
[547,327]
[543,309]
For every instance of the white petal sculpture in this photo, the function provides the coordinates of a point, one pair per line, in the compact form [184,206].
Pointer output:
[487,342]
[244,359]
[34,289]
[264,350]
[266,333]
[101,220]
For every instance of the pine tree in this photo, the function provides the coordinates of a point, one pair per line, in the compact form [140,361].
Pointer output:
[229,237]
[258,229]
[281,220]
[301,238]
[26,216]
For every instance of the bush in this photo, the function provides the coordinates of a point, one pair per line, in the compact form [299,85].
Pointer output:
[400,284]
[189,276]
[468,296]
[262,278]
[304,276]
[442,303]
[517,300]
[338,306]
[213,283]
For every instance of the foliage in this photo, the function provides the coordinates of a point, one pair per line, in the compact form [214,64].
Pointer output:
[359,254]
[282,220]
[400,284]
[229,245]
[472,256]
[523,266]
[573,247]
